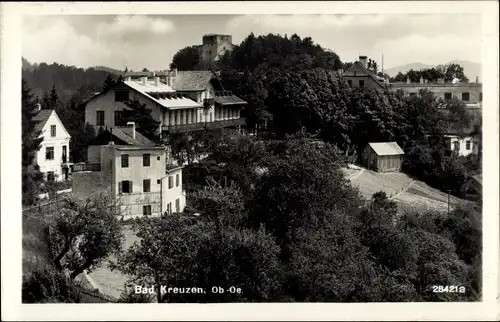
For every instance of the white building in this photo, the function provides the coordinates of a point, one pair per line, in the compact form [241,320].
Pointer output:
[463,146]
[53,155]
[133,170]
[182,101]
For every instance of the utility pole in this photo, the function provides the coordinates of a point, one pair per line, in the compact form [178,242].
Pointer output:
[449,201]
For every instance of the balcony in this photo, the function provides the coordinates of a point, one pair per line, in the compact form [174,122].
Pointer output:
[207,102]
[80,167]
[203,125]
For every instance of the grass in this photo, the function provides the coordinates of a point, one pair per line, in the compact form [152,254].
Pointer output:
[415,196]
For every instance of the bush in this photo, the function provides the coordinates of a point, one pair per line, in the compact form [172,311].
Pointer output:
[48,285]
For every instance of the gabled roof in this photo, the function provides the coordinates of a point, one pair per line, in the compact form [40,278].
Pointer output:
[41,119]
[386,148]
[478,178]
[192,80]
[357,69]
[123,134]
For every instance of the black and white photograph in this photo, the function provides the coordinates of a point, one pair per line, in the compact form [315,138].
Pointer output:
[260,156]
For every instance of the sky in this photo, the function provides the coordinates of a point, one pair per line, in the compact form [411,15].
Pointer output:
[149,41]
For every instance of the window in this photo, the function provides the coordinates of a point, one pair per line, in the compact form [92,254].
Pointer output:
[158,158]
[100,118]
[158,181]
[146,185]
[146,160]
[124,160]
[447,96]
[125,187]
[64,153]
[361,83]
[176,180]
[170,182]
[50,176]
[465,97]
[467,144]
[52,130]
[169,208]
[480,96]
[121,96]
[456,146]
[350,83]
[119,118]
[49,153]
[177,205]
[146,210]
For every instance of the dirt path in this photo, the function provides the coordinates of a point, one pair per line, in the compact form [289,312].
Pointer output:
[403,190]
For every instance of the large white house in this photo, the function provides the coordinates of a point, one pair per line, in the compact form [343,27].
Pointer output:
[128,166]
[182,101]
[53,155]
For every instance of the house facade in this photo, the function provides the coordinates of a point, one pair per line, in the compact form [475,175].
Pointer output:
[134,171]
[462,145]
[359,76]
[53,155]
[383,157]
[182,101]
[473,188]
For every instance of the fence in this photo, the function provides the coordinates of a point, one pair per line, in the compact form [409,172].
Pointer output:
[94,296]
[132,204]
[86,167]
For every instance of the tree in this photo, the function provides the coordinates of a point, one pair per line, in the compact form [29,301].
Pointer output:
[30,140]
[109,82]
[48,285]
[186,251]
[224,205]
[187,58]
[145,123]
[31,177]
[299,180]
[84,232]
[53,97]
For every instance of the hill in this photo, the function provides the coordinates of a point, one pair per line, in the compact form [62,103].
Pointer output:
[408,193]
[70,82]
[471,69]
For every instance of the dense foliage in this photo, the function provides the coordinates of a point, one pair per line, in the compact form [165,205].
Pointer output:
[287,226]
[446,72]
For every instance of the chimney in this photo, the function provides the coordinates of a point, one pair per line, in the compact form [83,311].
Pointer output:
[477,79]
[157,81]
[128,79]
[38,107]
[144,80]
[169,80]
[421,80]
[408,80]
[132,125]
[364,61]
[174,71]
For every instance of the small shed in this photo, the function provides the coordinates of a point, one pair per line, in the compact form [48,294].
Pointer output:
[383,157]
[473,188]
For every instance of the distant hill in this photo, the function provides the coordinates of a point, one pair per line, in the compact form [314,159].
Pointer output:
[110,70]
[471,69]
[69,81]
